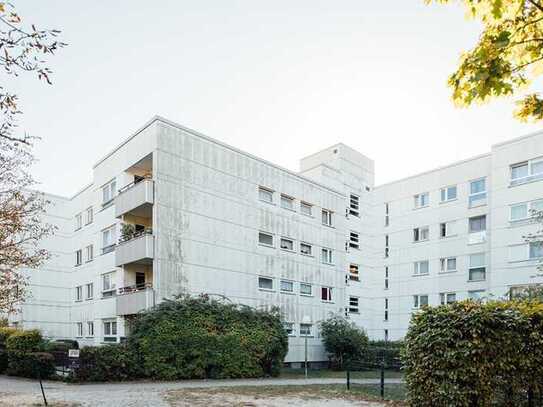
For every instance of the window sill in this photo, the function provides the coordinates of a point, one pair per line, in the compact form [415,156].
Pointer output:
[89,337]
[79,228]
[307,336]
[267,202]
[267,245]
[289,209]
[328,226]
[447,272]
[420,207]
[307,215]
[266,290]
[477,205]
[448,201]
[521,181]
[89,299]
[307,255]
[288,250]
[534,260]
[327,302]
[356,280]
[306,295]
[108,204]
[476,281]
[328,264]
[421,241]
[354,312]
[288,292]
[78,300]
[448,236]
[89,223]
[89,261]
[421,275]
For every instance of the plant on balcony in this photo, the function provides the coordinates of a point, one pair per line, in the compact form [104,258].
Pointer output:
[128,231]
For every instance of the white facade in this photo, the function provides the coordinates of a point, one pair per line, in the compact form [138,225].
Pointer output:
[213,219]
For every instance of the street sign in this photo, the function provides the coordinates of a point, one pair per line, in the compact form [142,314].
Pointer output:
[73,353]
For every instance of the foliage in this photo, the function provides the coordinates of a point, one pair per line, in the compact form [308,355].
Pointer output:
[111,362]
[199,337]
[384,351]
[343,340]
[25,341]
[61,345]
[537,237]
[474,354]
[33,364]
[5,333]
[507,58]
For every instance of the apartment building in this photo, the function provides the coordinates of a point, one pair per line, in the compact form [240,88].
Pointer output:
[171,211]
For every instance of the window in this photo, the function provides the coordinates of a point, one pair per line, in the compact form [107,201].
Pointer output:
[265,239]
[477,192]
[90,328]
[306,209]
[265,283]
[536,250]
[477,224]
[354,240]
[287,202]
[387,209]
[326,217]
[476,294]
[78,257]
[108,193]
[353,305]
[326,256]
[89,291]
[446,229]
[287,286]
[78,221]
[477,267]
[420,300]
[108,284]
[525,210]
[386,309]
[447,264]
[354,205]
[289,328]
[354,274]
[89,252]
[79,326]
[448,193]
[305,248]
[447,298]
[422,200]
[421,267]
[421,234]
[109,236]
[305,289]
[110,331]
[287,244]
[79,293]
[89,216]
[265,194]
[519,171]
[387,250]
[305,329]
[527,171]
[326,294]
[386,278]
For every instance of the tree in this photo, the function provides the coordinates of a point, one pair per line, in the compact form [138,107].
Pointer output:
[343,340]
[507,58]
[21,210]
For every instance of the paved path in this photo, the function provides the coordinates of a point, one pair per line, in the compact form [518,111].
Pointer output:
[143,394]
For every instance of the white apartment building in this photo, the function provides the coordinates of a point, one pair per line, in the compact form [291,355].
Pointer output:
[204,217]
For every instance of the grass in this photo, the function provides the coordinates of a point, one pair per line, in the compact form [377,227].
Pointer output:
[338,374]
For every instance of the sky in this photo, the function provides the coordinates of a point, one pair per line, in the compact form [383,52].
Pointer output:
[279,79]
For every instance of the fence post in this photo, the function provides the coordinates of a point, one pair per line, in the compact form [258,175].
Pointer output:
[348,379]
[383,379]
[41,386]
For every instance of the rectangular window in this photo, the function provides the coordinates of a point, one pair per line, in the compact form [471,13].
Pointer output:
[109,237]
[519,212]
[108,284]
[326,294]
[386,309]
[354,205]
[79,293]
[89,291]
[477,224]
[265,239]
[477,267]
[386,278]
[110,331]
[448,193]
[447,298]
[421,234]
[287,244]
[78,221]
[306,209]
[519,171]
[287,202]
[476,294]
[89,216]
[421,267]
[326,256]
[79,329]
[326,217]
[89,252]
[265,283]
[447,264]
[289,328]
[305,289]
[305,329]
[90,328]
[108,193]
[305,248]
[287,286]
[536,250]
[78,257]
[477,192]
[446,229]
[265,194]
[420,300]
[354,240]
[353,305]
[527,171]
[354,273]
[422,200]
[387,210]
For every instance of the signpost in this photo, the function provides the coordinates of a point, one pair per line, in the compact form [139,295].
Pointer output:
[73,355]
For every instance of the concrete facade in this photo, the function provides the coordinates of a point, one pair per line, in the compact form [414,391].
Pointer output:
[174,211]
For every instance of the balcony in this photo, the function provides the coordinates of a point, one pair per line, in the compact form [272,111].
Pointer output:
[133,299]
[477,237]
[136,198]
[139,249]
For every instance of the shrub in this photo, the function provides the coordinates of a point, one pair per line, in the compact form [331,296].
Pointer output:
[5,333]
[384,351]
[199,337]
[474,354]
[3,360]
[343,340]
[32,365]
[107,363]
[25,341]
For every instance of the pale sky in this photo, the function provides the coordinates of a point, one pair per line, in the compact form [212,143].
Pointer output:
[279,79]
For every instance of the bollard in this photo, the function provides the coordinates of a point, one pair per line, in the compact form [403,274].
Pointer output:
[348,380]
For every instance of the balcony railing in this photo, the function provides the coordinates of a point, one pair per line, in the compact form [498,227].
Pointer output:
[477,237]
[136,198]
[135,298]
[134,288]
[138,249]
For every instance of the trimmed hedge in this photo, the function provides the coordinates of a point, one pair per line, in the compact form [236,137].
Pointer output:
[111,362]
[25,341]
[5,333]
[474,354]
[33,365]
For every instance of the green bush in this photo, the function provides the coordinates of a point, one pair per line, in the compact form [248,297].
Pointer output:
[474,354]
[343,340]
[190,338]
[3,360]
[32,364]
[25,341]
[114,362]
[387,351]
[5,333]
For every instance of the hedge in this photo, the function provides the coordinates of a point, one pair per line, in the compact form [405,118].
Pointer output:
[33,364]
[5,332]
[25,341]
[474,354]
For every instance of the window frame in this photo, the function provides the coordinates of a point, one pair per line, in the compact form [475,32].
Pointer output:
[292,328]
[90,329]
[78,257]
[113,330]
[444,193]
[475,197]
[473,218]
[78,221]
[305,244]
[354,205]
[354,308]
[89,215]
[417,303]
[281,289]
[354,240]
[326,256]
[263,190]
[444,264]
[421,200]
[287,239]
[308,206]
[309,333]
[530,175]
[89,288]
[112,229]
[79,293]
[310,289]
[326,217]
[287,198]
[328,297]
[261,278]
[444,297]
[110,277]
[111,188]
[417,233]
[89,253]
[471,267]
[354,276]
[79,327]
[262,233]
[417,267]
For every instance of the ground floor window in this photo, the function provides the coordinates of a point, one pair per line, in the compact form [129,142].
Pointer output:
[110,331]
